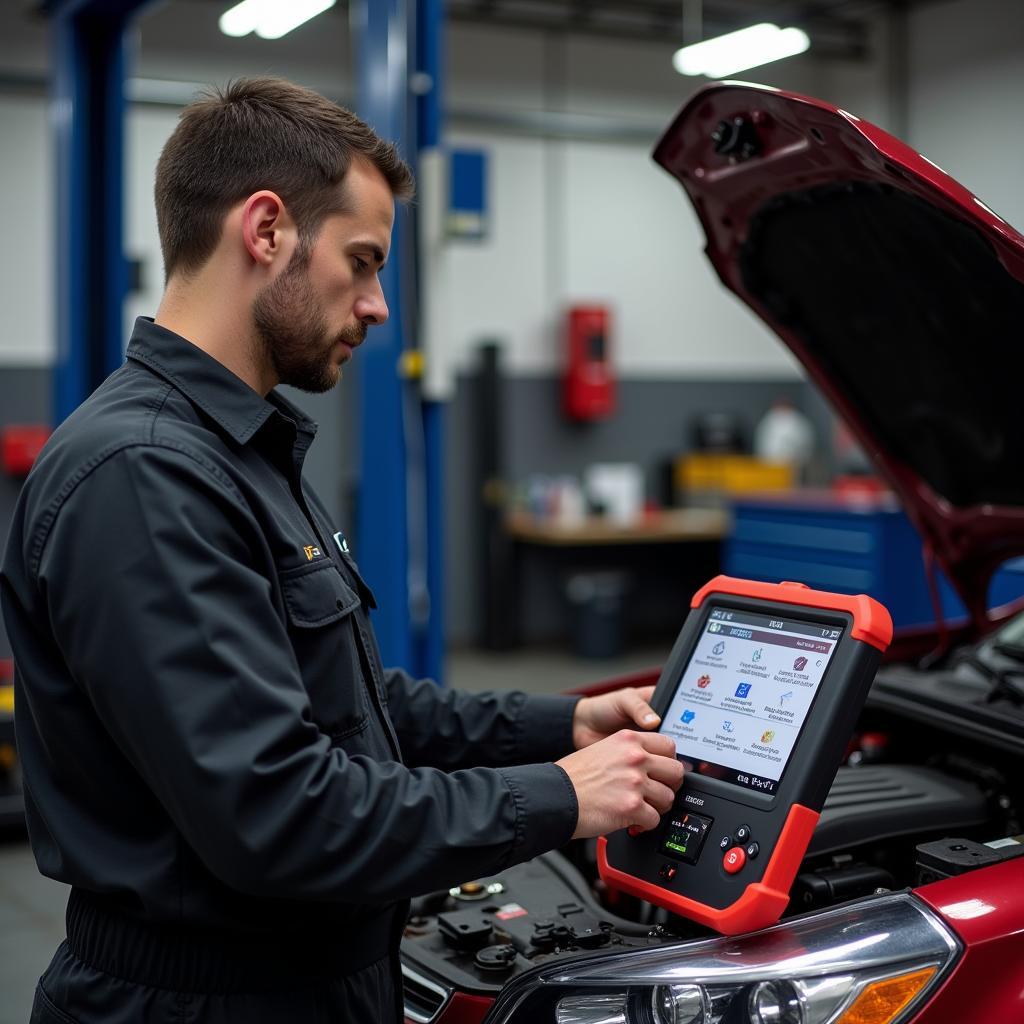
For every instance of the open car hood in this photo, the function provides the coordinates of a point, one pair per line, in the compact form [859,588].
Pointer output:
[900,292]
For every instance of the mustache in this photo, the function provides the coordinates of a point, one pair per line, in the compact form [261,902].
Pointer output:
[353,334]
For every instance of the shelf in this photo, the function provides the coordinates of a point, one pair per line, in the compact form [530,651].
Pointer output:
[679,525]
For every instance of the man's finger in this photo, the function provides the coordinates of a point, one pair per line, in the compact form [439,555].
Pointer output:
[655,743]
[668,771]
[639,710]
[646,818]
[659,796]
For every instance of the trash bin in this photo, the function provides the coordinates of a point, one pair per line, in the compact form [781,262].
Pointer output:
[596,605]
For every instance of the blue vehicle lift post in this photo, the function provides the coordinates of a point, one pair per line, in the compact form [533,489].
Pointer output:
[87,92]
[430,63]
[400,518]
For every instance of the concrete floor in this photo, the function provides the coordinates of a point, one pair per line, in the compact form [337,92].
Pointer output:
[31,925]
[32,907]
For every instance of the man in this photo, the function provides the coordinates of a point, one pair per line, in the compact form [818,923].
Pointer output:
[241,798]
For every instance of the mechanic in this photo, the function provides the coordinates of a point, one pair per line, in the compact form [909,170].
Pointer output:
[241,798]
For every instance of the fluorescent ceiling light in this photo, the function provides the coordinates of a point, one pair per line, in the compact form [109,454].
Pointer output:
[737,51]
[270,19]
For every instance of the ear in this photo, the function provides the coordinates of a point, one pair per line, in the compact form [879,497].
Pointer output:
[268,230]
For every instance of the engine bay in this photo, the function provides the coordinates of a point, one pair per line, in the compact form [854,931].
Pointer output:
[912,803]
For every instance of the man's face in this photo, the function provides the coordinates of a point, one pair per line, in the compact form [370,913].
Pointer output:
[312,316]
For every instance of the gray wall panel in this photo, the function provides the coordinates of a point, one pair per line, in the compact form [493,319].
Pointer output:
[652,424]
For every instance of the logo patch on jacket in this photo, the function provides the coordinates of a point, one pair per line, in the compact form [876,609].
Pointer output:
[312,551]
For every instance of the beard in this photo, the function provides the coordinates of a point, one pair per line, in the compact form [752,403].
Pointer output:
[292,330]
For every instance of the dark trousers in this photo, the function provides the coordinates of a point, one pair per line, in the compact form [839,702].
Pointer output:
[72,992]
[112,969]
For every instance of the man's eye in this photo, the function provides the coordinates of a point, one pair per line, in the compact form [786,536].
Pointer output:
[361,265]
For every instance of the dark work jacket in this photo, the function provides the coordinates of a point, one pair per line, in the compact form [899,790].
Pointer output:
[208,740]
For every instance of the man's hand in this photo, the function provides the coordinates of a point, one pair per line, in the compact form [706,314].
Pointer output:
[596,718]
[629,779]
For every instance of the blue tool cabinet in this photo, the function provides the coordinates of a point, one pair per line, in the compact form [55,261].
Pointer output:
[863,545]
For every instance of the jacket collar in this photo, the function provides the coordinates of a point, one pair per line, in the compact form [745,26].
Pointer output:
[212,387]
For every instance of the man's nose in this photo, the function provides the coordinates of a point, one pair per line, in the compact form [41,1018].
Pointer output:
[370,307]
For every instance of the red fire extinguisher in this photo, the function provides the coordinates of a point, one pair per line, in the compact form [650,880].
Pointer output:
[589,387]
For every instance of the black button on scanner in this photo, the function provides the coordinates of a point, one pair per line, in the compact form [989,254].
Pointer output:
[742,833]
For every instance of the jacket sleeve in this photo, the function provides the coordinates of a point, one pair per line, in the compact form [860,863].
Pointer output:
[147,574]
[450,729]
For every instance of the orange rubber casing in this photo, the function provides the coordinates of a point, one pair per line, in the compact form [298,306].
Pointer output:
[872,623]
[761,904]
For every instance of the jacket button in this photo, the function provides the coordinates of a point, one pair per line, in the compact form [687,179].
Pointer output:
[340,604]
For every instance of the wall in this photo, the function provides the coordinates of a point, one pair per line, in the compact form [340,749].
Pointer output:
[27,334]
[966,80]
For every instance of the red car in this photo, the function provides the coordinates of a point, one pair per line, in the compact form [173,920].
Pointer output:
[903,296]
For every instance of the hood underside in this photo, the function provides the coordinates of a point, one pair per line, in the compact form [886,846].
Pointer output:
[901,294]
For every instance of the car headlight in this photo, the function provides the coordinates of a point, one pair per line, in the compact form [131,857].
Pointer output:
[873,962]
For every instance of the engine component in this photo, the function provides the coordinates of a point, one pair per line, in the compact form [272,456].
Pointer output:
[548,936]
[472,891]
[465,929]
[949,857]
[826,886]
[496,958]
[589,933]
[546,913]
[868,805]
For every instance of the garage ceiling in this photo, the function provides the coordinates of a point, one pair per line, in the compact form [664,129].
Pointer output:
[838,28]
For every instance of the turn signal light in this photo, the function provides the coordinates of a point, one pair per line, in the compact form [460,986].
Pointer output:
[882,1001]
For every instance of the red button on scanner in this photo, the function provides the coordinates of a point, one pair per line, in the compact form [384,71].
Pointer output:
[634,831]
[734,860]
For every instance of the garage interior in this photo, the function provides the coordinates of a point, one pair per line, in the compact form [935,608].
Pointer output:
[522,526]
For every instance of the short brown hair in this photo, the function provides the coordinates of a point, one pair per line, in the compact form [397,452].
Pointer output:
[260,133]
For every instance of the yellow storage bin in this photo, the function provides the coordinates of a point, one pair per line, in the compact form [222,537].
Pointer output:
[731,474]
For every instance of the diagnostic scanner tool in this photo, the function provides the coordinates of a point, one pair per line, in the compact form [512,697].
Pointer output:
[761,694]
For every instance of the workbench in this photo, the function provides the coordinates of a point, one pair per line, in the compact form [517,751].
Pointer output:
[669,554]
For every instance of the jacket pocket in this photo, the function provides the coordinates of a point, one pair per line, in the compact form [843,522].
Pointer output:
[319,606]
[316,595]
